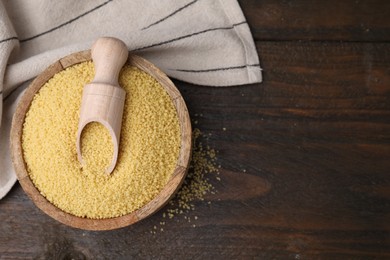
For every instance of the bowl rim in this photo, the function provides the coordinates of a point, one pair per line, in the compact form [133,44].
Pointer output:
[152,206]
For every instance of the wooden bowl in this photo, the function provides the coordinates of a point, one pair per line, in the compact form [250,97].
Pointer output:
[110,223]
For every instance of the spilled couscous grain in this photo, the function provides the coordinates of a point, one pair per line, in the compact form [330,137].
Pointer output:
[197,185]
[149,145]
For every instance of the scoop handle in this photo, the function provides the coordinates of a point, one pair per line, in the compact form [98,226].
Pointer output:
[103,99]
[109,55]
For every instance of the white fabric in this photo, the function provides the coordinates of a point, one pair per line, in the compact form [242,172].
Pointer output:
[205,42]
[7,174]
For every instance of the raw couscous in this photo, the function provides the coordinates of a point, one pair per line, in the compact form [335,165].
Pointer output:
[148,152]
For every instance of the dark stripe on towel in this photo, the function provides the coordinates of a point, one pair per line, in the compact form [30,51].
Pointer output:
[171,14]
[188,36]
[66,23]
[218,69]
[9,39]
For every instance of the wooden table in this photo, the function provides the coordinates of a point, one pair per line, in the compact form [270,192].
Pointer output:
[305,156]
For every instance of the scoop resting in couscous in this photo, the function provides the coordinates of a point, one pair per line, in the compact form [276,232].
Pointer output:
[148,152]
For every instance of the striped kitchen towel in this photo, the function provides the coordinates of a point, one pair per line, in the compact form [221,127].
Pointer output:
[205,42]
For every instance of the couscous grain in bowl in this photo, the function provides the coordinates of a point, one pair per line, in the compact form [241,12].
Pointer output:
[154,150]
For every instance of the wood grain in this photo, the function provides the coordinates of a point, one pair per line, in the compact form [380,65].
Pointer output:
[348,20]
[305,155]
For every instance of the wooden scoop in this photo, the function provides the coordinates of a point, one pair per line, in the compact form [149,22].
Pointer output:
[103,99]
